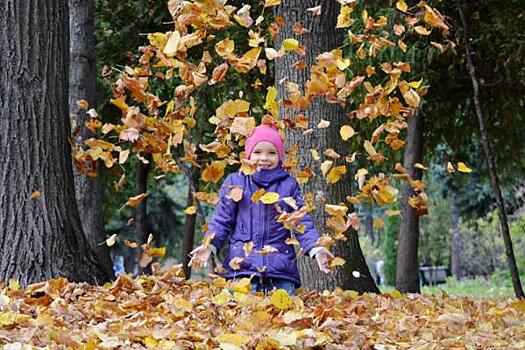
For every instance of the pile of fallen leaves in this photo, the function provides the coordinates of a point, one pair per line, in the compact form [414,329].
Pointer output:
[165,311]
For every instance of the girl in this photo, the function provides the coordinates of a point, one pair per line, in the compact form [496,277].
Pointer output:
[244,221]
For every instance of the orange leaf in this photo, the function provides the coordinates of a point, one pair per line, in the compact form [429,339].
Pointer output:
[134,201]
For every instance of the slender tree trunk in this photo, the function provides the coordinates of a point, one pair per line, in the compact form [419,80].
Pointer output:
[457,239]
[189,225]
[489,156]
[140,221]
[369,225]
[407,274]
[322,37]
[82,86]
[41,233]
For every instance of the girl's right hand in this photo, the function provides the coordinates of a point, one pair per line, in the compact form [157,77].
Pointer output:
[200,257]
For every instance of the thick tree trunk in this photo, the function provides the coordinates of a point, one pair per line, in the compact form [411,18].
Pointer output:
[82,81]
[489,156]
[407,274]
[41,234]
[322,37]
[457,240]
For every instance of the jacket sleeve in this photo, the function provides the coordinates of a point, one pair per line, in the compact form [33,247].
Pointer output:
[224,218]
[309,238]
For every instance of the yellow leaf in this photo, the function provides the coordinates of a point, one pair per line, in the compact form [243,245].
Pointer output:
[335,174]
[247,61]
[269,197]
[11,318]
[270,104]
[222,298]
[412,98]
[35,194]
[450,168]
[243,286]
[235,263]
[420,166]
[415,84]
[337,262]
[335,210]
[172,45]
[396,294]
[191,210]
[225,47]
[151,342]
[156,252]
[111,240]
[342,64]
[290,44]
[462,167]
[344,19]
[346,132]
[392,212]
[369,148]
[268,3]
[257,195]
[234,338]
[213,172]
[158,39]
[422,30]
[378,223]
[281,299]
[401,5]
[325,166]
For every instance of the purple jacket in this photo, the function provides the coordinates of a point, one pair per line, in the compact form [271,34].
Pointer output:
[245,221]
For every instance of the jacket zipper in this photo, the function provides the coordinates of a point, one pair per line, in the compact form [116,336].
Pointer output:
[263,274]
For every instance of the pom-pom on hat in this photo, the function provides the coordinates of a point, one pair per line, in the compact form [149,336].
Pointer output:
[266,133]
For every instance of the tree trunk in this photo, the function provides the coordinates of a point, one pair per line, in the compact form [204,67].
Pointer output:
[42,236]
[189,224]
[369,225]
[140,221]
[457,239]
[407,274]
[322,37]
[489,156]
[82,79]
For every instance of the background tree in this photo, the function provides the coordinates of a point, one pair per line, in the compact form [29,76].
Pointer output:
[42,236]
[82,87]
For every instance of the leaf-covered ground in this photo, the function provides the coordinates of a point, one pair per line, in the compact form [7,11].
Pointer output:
[167,312]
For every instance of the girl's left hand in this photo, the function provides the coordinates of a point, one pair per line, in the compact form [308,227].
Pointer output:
[323,259]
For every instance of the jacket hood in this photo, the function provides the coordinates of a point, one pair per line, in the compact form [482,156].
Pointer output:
[267,177]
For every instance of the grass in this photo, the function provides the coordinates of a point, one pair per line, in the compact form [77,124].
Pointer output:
[473,288]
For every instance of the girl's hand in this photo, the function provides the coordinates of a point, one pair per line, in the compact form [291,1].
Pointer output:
[200,257]
[323,259]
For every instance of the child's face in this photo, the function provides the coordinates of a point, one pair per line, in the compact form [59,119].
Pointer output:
[266,155]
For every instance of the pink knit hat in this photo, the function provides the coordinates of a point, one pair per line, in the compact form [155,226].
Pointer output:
[265,133]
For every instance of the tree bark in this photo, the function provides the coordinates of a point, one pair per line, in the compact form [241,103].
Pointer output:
[82,85]
[491,164]
[457,240]
[189,224]
[407,273]
[140,220]
[41,233]
[322,37]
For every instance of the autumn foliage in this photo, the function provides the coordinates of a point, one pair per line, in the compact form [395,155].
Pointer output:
[165,311]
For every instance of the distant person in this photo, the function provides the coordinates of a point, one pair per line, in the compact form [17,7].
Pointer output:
[118,266]
[244,221]
[380,279]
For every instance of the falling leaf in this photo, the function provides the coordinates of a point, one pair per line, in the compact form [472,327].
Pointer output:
[335,210]
[235,263]
[323,124]
[134,201]
[346,132]
[336,173]
[290,44]
[82,104]
[130,244]
[268,3]
[401,6]
[35,194]
[191,210]
[422,30]
[337,262]
[110,242]
[392,212]
[356,274]
[450,167]
[344,19]
[420,166]
[378,223]
[235,193]
[369,148]
[213,172]
[257,195]
[462,167]
[316,11]
[269,197]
